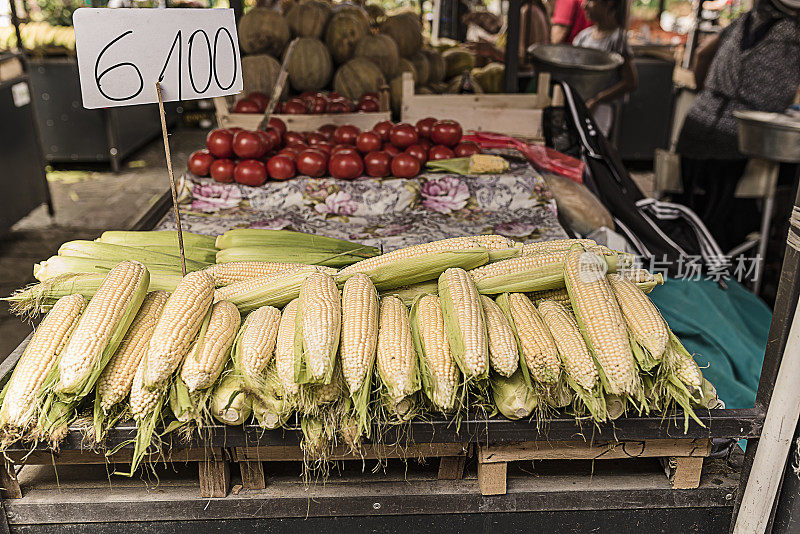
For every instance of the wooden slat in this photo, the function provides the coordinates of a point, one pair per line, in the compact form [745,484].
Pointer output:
[70,457]
[252,475]
[687,473]
[369,452]
[492,478]
[215,478]
[599,450]
[451,467]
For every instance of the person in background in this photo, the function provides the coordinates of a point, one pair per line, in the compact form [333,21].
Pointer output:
[568,21]
[753,64]
[609,34]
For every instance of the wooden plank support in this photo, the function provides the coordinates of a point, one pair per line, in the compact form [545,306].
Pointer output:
[492,477]
[452,467]
[252,475]
[686,474]
[215,474]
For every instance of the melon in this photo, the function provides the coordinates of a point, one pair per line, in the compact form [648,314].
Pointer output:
[376,13]
[353,9]
[424,90]
[381,50]
[436,66]
[406,31]
[422,67]
[310,66]
[263,31]
[259,73]
[491,77]
[344,32]
[308,19]
[356,77]
[465,83]
[457,60]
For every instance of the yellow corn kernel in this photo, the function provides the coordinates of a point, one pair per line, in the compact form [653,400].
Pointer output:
[536,343]
[578,362]
[644,320]
[255,345]
[359,330]
[503,352]
[284,349]
[438,368]
[396,360]
[320,318]
[212,348]
[466,326]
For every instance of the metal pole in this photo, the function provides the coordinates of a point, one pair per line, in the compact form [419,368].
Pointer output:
[512,46]
[15,22]
[238,9]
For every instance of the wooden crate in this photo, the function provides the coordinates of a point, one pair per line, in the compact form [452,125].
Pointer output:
[213,465]
[518,115]
[682,458]
[297,123]
[452,457]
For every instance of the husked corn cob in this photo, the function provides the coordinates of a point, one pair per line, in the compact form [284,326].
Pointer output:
[503,351]
[255,345]
[536,344]
[38,359]
[275,289]
[466,326]
[320,318]
[578,362]
[526,273]
[177,327]
[359,331]
[555,295]
[419,263]
[212,348]
[641,276]
[600,319]
[144,401]
[397,362]
[237,271]
[487,164]
[101,328]
[499,247]
[115,382]
[554,245]
[155,237]
[284,349]
[643,318]
[438,369]
[682,363]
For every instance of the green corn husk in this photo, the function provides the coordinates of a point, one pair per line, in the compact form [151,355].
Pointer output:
[271,408]
[145,434]
[205,255]
[287,255]
[60,265]
[105,251]
[420,268]
[317,444]
[512,396]
[287,239]
[229,404]
[277,290]
[475,164]
[502,302]
[130,238]
[456,337]
[409,294]
[187,406]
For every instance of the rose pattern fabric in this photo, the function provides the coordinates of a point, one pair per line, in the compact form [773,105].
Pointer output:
[388,213]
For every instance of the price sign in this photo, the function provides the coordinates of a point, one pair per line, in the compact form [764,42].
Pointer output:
[122,53]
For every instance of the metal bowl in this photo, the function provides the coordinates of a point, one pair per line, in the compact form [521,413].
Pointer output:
[772,136]
[587,70]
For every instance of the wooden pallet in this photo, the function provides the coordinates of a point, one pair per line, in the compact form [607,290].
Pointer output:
[213,465]
[452,457]
[682,458]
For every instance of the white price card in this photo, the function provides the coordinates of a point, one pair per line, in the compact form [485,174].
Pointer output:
[122,53]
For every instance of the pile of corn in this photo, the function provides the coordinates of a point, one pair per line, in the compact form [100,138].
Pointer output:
[346,340]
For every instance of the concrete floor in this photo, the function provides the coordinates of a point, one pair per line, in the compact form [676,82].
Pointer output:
[86,203]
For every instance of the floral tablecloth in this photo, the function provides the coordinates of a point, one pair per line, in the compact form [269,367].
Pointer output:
[389,213]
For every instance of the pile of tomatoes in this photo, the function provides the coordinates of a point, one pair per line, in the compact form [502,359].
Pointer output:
[344,152]
[310,102]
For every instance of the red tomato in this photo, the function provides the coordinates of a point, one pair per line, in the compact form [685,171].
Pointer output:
[405,166]
[267,139]
[314,138]
[336,106]
[378,164]
[466,148]
[424,127]
[281,167]
[345,166]
[246,106]
[220,143]
[294,138]
[311,163]
[234,129]
[418,152]
[368,142]
[295,107]
[334,94]
[222,170]
[425,143]
[440,152]
[343,149]
[290,152]
[274,136]
[261,99]
[278,124]
[324,146]
[248,145]
[382,129]
[403,135]
[447,133]
[200,161]
[370,94]
[346,134]
[318,105]
[368,106]
[250,172]
[278,107]
[391,149]
[327,130]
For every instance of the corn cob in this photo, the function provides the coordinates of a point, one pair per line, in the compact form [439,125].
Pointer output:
[359,341]
[60,265]
[286,239]
[145,407]
[554,245]
[230,404]
[499,247]
[115,382]
[38,359]
[554,295]
[101,329]
[600,320]
[646,284]
[270,407]
[396,360]
[512,396]
[255,345]
[466,326]
[536,344]
[438,369]
[318,327]
[578,362]
[503,351]
[643,318]
[177,327]
[409,294]
[316,399]
[418,263]
[212,348]
[94,249]
[157,237]
[685,368]
[187,406]
[205,255]
[642,277]
[284,350]
[228,273]
[271,290]
[285,255]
